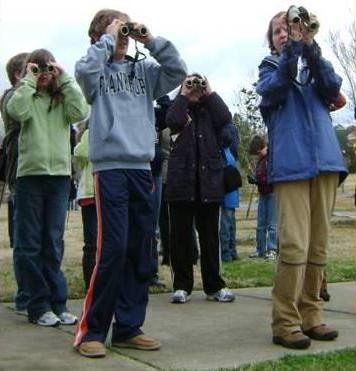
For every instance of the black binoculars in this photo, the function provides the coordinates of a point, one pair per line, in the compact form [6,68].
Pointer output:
[42,68]
[129,28]
[299,14]
[196,83]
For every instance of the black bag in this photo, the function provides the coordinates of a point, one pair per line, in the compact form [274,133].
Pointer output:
[232,178]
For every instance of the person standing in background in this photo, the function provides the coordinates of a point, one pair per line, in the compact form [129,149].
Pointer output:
[266,231]
[15,70]
[195,187]
[86,201]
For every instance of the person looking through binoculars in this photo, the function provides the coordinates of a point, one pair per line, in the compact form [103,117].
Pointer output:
[45,104]
[122,139]
[195,187]
[122,31]
[42,68]
[305,166]
[195,87]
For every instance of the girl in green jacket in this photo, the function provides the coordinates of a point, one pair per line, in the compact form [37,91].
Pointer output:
[46,103]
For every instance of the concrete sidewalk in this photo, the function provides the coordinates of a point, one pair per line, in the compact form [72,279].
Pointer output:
[196,335]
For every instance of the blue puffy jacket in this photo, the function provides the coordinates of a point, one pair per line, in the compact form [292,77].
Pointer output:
[302,140]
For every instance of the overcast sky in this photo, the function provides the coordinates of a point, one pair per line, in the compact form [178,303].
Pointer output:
[224,40]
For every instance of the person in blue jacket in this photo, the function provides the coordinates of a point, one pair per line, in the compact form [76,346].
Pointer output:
[305,166]
[231,200]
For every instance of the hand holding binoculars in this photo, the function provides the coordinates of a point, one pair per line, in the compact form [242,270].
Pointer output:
[196,83]
[42,68]
[129,29]
[301,15]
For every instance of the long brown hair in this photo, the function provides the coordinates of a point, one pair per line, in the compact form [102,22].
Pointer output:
[41,57]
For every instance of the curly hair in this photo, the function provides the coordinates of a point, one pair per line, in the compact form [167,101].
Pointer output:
[101,20]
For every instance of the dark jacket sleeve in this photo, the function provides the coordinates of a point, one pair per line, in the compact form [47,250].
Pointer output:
[326,81]
[274,81]
[218,110]
[177,117]
[235,140]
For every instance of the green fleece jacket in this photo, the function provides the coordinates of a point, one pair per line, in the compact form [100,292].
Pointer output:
[44,141]
[81,155]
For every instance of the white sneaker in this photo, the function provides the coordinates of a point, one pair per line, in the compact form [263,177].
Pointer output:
[67,318]
[48,319]
[180,296]
[224,296]
[271,255]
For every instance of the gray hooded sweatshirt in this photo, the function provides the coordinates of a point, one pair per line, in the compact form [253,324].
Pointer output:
[122,130]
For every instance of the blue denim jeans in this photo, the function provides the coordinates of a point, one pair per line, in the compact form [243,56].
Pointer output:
[41,206]
[228,234]
[266,232]
[21,297]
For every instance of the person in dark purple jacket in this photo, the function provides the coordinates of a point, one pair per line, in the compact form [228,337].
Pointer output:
[266,231]
[195,186]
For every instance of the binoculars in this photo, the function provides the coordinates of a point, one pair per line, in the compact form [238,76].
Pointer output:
[301,15]
[129,28]
[42,68]
[196,83]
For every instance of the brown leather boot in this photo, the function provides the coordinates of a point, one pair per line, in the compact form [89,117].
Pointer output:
[294,340]
[322,332]
[92,349]
[141,342]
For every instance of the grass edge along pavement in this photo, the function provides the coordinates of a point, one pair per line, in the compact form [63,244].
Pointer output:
[343,360]
[237,274]
[339,360]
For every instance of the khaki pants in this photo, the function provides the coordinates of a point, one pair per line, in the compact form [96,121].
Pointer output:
[304,210]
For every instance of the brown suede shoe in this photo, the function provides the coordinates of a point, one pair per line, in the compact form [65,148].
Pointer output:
[91,349]
[294,340]
[141,342]
[322,332]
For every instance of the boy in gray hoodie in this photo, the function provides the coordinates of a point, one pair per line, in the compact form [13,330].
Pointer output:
[121,91]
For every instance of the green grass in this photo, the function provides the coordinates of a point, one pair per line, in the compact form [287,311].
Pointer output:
[258,272]
[343,360]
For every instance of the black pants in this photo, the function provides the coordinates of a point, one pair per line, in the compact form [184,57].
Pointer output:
[206,217]
[10,220]
[164,228]
[164,233]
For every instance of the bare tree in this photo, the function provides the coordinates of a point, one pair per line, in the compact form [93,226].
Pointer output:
[248,121]
[344,49]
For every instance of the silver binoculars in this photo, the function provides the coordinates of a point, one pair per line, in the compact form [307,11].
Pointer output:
[196,83]
[301,15]
[129,28]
